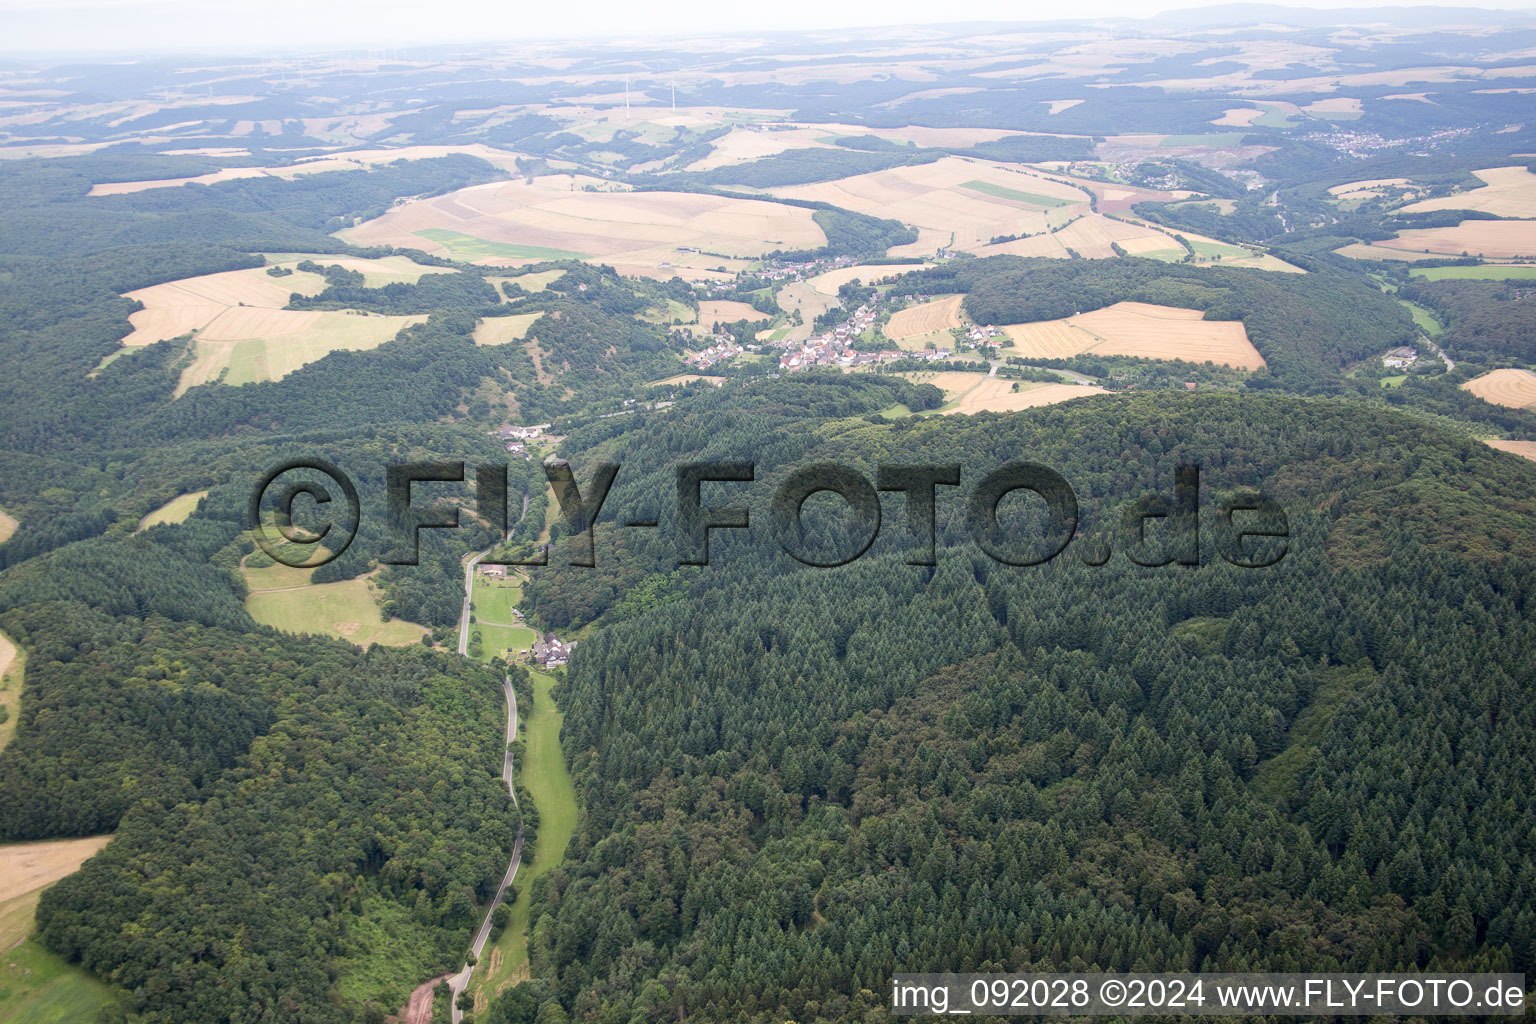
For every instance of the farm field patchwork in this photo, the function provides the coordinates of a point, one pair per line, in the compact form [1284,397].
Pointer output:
[244,346]
[1490,239]
[174,511]
[1091,235]
[242,333]
[1513,388]
[945,200]
[1141,330]
[647,233]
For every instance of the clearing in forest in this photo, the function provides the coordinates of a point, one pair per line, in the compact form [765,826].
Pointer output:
[174,511]
[348,610]
[499,330]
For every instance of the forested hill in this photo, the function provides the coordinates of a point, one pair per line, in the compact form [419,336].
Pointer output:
[795,782]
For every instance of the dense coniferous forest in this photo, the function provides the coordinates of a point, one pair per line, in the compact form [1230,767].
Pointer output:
[791,782]
[796,781]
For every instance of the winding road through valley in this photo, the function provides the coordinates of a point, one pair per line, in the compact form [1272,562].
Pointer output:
[457,982]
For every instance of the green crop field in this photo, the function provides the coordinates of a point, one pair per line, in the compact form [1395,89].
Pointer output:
[1003,192]
[1511,272]
[469,247]
[348,610]
[174,511]
[38,987]
[543,773]
[1212,250]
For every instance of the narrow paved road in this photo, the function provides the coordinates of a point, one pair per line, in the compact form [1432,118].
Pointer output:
[457,982]
[469,590]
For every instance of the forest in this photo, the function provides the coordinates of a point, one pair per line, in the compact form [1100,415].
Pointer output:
[796,780]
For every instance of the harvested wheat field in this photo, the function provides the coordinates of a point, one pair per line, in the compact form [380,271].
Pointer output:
[535,281]
[245,345]
[971,200]
[347,161]
[499,330]
[1141,330]
[1240,117]
[686,378]
[1091,236]
[938,315]
[376,272]
[864,273]
[1369,187]
[510,223]
[724,311]
[1493,239]
[179,307]
[810,302]
[1515,389]
[26,869]
[994,394]
[1524,449]
[1507,192]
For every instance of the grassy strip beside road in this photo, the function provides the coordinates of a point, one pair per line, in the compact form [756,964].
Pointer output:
[543,773]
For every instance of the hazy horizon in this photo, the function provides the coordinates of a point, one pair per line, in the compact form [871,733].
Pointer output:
[98,28]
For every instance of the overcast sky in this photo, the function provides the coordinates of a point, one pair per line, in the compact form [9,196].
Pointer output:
[136,26]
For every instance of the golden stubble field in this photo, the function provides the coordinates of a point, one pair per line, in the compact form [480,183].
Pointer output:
[241,332]
[1141,330]
[955,200]
[968,392]
[1515,389]
[350,161]
[637,233]
[925,318]
[1524,449]
[1491,239]
[1507,192]
[26,869]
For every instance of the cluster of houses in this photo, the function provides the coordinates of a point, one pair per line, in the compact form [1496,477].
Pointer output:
[826,350]
[722,347]
[982,335]
[550,652]
[516,438]
[1401,358]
